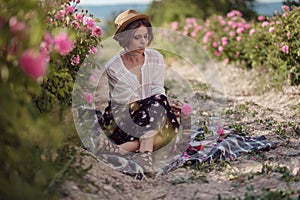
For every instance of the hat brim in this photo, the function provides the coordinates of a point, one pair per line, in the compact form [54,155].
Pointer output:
[130,20]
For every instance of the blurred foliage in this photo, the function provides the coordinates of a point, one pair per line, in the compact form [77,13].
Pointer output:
[166,11]
[30,139]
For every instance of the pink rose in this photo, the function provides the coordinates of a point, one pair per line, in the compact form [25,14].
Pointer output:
[33,63]
[193,34]
[240,30]
[231,33]
[264,24]
[226,60]
[261,18]
[88,22]
[206,36]
[226,29]
[234,13]
[224,38]
[215,44]
[174,25]
[220,48]
[60,14]
[97,31]
[89,98]
[251,32]
[220,131]
[79,16]
[70,9]
[15,26]
[93,50]
[186,109]
[217,53]
[75,24]
[62,44]
[285,8]
[285,49]
[271,29]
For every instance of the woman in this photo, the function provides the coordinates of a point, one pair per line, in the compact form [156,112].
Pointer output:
[139,117]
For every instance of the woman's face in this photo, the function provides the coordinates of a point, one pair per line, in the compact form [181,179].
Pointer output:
[139,39]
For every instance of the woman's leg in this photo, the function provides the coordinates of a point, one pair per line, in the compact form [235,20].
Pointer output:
[147,141]
[158,142]
[131,146]
[152,143]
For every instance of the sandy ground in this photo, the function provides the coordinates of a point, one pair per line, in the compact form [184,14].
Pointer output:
[250,104]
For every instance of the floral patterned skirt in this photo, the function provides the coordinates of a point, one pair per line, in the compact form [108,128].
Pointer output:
[123,123]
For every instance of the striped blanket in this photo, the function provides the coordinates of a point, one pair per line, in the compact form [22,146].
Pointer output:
[195,150]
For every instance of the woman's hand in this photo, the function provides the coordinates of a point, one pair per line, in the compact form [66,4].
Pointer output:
[176,106]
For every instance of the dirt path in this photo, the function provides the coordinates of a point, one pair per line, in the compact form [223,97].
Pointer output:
[250,108]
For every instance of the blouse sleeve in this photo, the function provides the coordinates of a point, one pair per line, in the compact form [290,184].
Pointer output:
[119,90]
[158,78]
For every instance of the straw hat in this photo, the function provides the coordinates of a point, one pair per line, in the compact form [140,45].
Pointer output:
[126,17]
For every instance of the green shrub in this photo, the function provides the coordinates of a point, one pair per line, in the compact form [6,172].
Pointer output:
[271,42]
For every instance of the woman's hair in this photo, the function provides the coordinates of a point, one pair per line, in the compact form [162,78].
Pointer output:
[124,36]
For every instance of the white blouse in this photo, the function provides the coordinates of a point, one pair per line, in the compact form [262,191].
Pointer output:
[124,86]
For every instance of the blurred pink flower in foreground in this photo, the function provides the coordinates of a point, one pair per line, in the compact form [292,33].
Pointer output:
[62,44]
[285,49]
[271,29]
[186,109]
[89,98]
[33,63]
[15,26]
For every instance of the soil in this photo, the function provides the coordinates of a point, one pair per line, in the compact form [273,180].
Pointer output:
[253,107]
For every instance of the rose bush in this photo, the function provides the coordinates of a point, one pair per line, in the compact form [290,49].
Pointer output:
[69,53]
[271,42]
